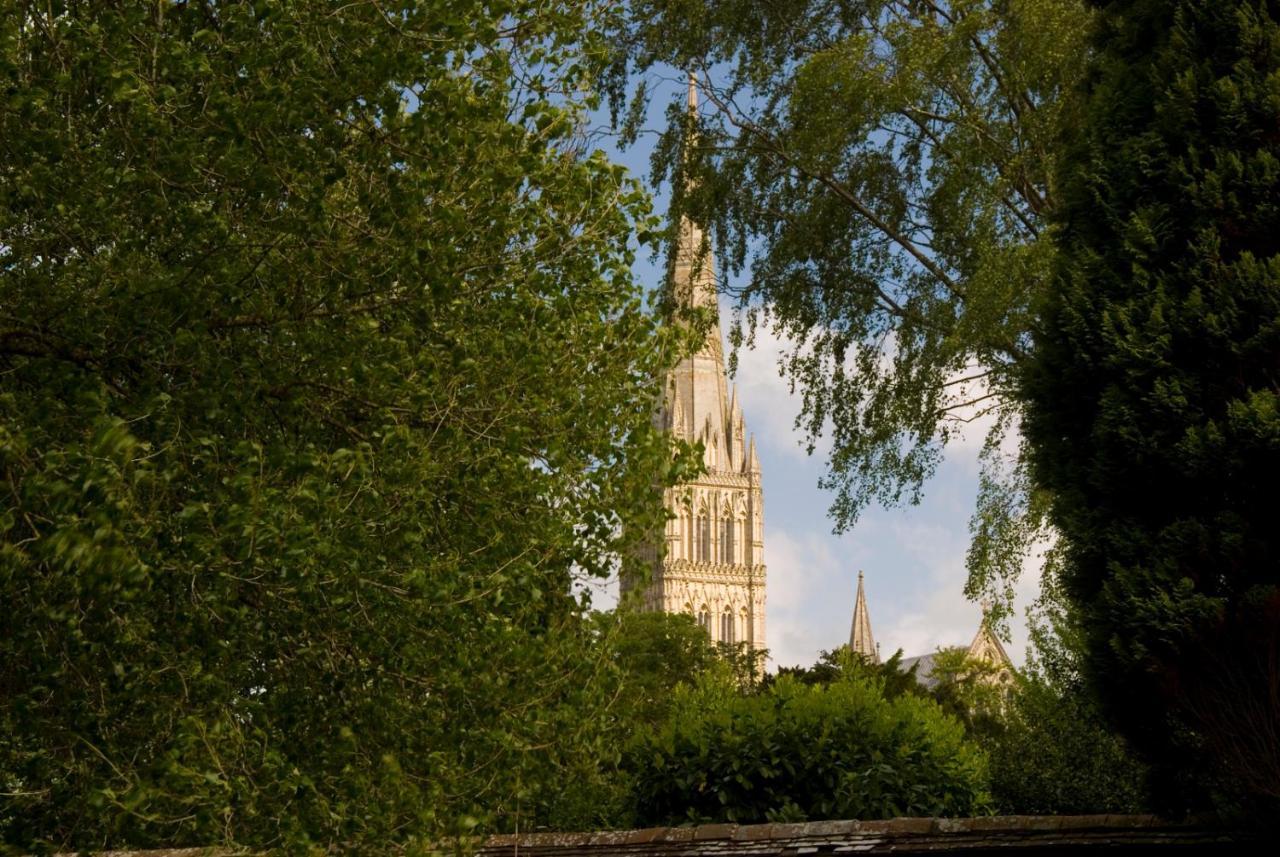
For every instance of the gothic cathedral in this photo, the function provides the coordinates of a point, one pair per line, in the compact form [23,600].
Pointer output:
[713,564]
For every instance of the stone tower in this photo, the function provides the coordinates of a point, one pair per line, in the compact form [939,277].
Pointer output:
[712,562]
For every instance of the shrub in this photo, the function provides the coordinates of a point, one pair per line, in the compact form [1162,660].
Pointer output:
[1056,755]
[796,752]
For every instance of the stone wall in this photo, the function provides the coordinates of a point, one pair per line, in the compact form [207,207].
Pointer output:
[1017,834]
[1003,834]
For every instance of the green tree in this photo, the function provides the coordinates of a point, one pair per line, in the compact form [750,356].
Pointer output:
[882,170]
[745,663]
[796,752]
[322,377]
[654,652]
[1054,752]
[971,690]
[645,655]
[967,689]
[1056,755]
[1153,405]
[841,664]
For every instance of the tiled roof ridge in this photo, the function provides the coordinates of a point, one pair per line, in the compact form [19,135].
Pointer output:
[1010,833]
[810,837]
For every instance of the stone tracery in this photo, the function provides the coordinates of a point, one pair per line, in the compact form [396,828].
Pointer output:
[714,550]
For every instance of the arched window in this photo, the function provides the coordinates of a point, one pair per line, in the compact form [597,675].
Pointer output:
[704,619]
[726,538]
[726,626]
[704,537]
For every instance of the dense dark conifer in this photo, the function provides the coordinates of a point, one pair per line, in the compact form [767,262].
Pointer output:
[1154,396]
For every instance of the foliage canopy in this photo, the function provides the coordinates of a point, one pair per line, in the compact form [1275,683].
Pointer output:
[882,169]
[841,664]
[1054,753]
[322,375]
[1153,405]
[654,652]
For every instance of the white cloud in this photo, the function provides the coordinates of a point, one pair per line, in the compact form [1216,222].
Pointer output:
[804,612]
[603,593]
[916,600]
[914,558]
[767,402]
[934,611]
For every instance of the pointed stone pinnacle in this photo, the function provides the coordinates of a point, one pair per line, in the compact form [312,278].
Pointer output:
[861,639]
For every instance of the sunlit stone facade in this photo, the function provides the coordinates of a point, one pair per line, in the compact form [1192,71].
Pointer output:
[712,562]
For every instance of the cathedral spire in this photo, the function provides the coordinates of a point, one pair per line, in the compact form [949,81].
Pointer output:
[860,639]
[710,560]
[694,275]
[699,379]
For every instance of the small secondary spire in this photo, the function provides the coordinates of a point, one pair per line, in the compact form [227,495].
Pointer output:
[861,640]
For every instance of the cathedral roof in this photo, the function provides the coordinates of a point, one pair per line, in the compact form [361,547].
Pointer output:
[924,669]
[986,646]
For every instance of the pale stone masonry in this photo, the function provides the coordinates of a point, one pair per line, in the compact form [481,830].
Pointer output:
[711,565]
[861,639]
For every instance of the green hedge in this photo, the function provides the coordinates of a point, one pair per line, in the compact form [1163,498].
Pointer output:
[801,752]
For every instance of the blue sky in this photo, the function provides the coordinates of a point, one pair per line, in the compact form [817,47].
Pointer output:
[913,556]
